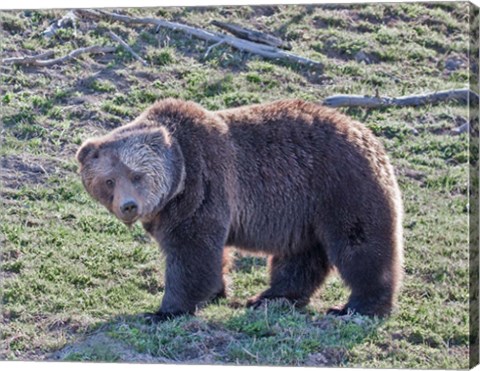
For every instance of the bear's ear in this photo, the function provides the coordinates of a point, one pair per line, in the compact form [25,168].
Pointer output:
[87,148]
[158,139]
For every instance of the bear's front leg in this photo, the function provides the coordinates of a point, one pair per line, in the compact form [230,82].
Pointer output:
[193,268]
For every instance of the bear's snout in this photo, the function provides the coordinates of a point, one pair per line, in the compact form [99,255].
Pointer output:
[129,209]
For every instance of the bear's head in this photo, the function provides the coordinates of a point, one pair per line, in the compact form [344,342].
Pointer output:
[133,173]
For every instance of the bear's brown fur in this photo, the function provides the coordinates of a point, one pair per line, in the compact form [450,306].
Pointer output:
[297,181]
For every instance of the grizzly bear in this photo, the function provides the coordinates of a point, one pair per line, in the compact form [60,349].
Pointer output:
[299,182]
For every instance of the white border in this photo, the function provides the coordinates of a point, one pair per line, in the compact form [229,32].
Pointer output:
[62,4]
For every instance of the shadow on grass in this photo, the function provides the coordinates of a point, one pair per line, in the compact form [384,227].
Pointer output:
[276,334]
[225,332]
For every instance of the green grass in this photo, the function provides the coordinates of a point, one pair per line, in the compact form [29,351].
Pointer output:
[75,281]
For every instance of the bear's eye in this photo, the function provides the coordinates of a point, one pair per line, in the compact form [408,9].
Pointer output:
[110,182]
[137,178]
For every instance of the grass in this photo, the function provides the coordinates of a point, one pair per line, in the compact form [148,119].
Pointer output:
[75,281]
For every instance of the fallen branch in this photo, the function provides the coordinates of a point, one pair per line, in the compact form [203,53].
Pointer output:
[265,51]
[45,55]
[38,60]
[117,38]
[68,20]
[347,100]
[252,35]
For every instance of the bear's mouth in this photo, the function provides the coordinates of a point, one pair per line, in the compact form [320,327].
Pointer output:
[129,222]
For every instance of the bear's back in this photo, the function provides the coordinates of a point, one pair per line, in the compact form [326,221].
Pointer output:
[295,161]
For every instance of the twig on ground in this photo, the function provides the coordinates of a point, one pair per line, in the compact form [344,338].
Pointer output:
[252,35]
[117,38]
[265,51]
[346,100]
[38,60]
[211,47]
[464,128]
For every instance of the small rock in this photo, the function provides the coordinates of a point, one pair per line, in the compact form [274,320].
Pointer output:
[453,64]
[413,130]
[361,56]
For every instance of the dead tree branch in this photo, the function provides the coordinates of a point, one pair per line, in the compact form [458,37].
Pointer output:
[252,35]
[117,38]
[39,60]
[265,51]
[45,55]
[68,20]
[346,100]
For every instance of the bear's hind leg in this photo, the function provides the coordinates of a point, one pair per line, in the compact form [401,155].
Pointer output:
[295,277]
[372,271]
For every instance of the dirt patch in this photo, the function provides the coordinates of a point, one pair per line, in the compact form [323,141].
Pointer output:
[101,347]
[317,359]
[18,171]
[329,357]
[417,175]
[100,344]
[211,349]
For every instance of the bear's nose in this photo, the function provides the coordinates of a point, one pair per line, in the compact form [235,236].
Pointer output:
[129,208]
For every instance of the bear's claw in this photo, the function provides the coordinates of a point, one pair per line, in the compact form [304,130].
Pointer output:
[157,317]
[341,311]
